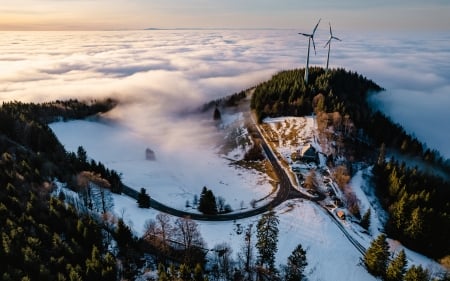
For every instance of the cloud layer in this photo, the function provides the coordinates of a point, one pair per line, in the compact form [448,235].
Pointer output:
[158,74]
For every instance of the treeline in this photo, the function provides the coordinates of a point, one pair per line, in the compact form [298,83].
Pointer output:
[383,131]
[42,238]
[228,101]
[180,243]
[287,94]
[338,91]
[60,110]
[24,126]
[379,262]
[418,207]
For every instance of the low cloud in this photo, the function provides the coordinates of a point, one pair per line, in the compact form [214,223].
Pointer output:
[158,74]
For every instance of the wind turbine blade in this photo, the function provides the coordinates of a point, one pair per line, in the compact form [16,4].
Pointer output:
[314,45]
[304,34]
[336,38]
[331,32]
[316,27]
[328,43]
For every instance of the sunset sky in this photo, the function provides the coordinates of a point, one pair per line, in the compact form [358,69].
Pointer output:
[139,14]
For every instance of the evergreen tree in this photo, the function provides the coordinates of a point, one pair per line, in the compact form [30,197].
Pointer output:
[267,239]
[417,273]
[376,256]
[93,265]
[198,273]
[365,221]
[296,264]
[397,268]
[415,224]
[82,157]
[207,204]
[162,275]
[185,272]
[217,115]
[124,237]
[143,199]
[109,270]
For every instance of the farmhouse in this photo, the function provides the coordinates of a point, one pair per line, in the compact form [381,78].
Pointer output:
[308,154]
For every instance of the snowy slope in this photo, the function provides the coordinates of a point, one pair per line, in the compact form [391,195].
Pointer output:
[173,181]
[173,178]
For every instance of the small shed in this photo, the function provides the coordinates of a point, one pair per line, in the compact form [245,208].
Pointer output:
[150,154]
[308,154]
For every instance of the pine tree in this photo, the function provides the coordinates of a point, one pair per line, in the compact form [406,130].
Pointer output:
[417,273]
[162,275]
[207,204]
[109,270]
[397,268]
[198,273]
[185,272]
[143,199]
[93,265]
[267,239]
[124,237]
[217,115]
[415,225]
[296,264]
[376,256]
[365,221]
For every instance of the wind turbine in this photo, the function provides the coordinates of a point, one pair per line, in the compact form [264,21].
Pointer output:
[329,45]
[310,38]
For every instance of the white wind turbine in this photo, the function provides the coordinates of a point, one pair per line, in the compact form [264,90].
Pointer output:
[310,38]
[329,44]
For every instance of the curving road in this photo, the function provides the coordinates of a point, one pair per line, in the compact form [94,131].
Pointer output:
[285,192]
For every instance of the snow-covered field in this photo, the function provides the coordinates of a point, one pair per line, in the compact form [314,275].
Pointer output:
[173,178]
[173,181]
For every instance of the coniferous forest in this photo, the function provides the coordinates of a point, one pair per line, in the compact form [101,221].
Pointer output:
[44,238]
[417,202]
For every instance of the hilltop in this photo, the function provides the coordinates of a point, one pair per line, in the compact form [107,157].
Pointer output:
[415,198]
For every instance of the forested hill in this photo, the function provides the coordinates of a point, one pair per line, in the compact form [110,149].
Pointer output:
[417,202]
[340,90]
[42,237]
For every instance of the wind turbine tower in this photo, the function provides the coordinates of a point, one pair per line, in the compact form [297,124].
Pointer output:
[329,45]
[310,38]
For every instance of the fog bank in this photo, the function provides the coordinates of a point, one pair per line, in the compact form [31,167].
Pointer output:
[158,74]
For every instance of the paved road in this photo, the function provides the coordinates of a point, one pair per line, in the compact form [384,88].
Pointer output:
[285,192]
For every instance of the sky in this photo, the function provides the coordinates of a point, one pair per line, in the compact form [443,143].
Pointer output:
[140,14]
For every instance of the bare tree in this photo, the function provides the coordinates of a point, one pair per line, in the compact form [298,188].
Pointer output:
[159,233]
[246,255]
[310,180]
[337,120]
[220,202]
[188,234]
[222,260]
[341,176]
[166,231]
[318,103]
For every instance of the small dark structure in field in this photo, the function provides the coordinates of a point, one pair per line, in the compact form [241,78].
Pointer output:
[150,154]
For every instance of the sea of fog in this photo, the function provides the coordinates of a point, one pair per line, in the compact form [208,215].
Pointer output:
[157,75]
